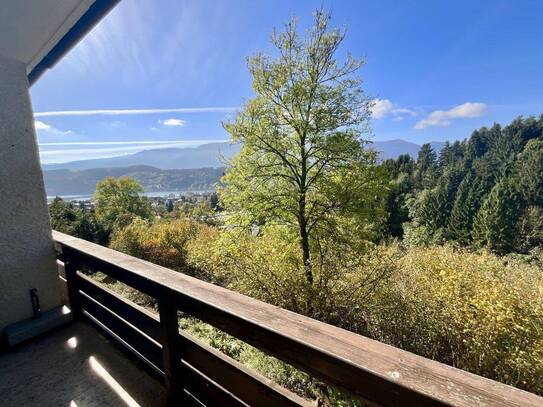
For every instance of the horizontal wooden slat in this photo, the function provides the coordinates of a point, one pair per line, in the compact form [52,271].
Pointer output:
[150,350]
[375,371]
[197,385]
[245,383]
[206,391]
[137,316]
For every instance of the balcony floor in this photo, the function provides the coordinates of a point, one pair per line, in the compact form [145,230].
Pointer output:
[75,366]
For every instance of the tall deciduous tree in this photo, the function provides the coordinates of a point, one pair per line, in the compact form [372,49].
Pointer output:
[302,163]
[118,202]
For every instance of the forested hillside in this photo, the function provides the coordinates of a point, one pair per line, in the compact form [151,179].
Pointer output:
[486,191]
[68,182]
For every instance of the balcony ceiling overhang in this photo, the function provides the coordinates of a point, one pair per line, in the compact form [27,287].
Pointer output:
[40,32]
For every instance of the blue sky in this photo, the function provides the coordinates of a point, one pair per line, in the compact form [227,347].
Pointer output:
[167,72]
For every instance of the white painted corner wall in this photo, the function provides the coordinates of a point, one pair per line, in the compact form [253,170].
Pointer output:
[27,257]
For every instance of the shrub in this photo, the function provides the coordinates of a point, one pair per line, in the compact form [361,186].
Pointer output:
[475,311]
[162,243]
[269,267]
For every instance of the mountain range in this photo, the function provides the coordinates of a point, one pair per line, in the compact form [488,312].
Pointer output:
[171,169]
[207,155]
[211,155]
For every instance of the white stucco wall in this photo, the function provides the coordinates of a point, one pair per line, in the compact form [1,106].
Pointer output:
[27,257]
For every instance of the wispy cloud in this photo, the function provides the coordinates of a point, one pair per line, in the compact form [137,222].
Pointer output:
[443,118]
[173,122]
[52,153]
[116,124]
[384,107]
[142,41]
[119,112]
[127,142]
[42,127]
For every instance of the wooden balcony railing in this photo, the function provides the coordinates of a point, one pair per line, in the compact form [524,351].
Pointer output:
[193,371]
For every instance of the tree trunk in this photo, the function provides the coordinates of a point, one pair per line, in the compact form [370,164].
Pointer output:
[302,223]
[306,256]
[304,241]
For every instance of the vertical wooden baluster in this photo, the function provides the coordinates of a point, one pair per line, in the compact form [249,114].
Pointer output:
[70,270]
[171,353]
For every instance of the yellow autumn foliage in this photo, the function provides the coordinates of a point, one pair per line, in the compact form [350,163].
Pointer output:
[475,311]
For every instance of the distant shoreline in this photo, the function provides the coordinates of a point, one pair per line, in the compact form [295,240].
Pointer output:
[150,194]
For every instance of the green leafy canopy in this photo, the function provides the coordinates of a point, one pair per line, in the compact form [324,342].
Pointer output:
[303,164]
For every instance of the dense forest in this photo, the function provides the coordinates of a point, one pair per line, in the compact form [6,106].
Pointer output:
[441,256]
[485,191]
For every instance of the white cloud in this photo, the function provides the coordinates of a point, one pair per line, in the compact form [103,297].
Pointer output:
[116,112]
[384,107]
[404,111]
[380,108]
[116,124]
[173,122]
[42,127]
[443,118]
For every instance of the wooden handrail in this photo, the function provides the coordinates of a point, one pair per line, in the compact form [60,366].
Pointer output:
[375,371]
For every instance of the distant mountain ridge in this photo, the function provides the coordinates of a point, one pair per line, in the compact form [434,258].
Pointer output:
[212,155]
[206,155]
[395,148]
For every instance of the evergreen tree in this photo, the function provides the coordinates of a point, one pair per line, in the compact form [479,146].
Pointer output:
[426,157]
[426,167]
[529,172]
[478,143]
[397,209]
[529,230]
[456,152]
[444,155]
[463,211]
[496,220]
[499,167]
